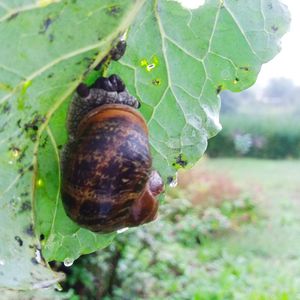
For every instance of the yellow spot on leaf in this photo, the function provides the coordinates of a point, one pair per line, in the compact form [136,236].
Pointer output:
[43,3]
[26,85]
[15,153]
[5,87]
[40,183]
[143,63]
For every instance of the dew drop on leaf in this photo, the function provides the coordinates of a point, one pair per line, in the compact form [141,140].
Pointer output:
[68,262]
[174,181]
[122,230]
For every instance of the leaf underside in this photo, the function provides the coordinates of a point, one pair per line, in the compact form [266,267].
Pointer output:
[177,62]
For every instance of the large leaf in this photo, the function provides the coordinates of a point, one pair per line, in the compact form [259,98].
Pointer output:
[46,47]
[177,62]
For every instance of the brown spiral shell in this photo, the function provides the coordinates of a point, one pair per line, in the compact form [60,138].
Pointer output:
[107,180]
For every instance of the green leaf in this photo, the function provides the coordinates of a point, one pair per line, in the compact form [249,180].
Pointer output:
[46,48]
[178,60]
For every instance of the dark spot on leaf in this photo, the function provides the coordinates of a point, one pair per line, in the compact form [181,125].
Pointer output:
[42,237]
[32,127]
[19,240]
[180,161]
[274,28]
[44,142]
[5,107]
[31,168]
[51,37]
[29,230]
[245,68]
[33,137]
[22,154]
[59,147]
[24,194]
[45,25]
[21,171]
[13,16]
[19,123]
[114,10]
[219,89]
[50,75]
[14,148]
[34,261]
[156,81]
[26,205]
[237,79]
[170,179]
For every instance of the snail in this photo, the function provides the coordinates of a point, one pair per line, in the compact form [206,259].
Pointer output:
[107,178]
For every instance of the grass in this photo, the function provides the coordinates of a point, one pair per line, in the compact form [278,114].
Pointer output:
[262,260]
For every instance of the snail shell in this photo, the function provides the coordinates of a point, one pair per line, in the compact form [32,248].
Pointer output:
[107,178]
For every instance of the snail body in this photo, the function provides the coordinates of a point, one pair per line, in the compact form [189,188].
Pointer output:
[107,177]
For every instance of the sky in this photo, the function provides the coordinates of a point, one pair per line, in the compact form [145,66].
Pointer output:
[287,63]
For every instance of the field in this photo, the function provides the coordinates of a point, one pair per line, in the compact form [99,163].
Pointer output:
[264,257]
[269,136]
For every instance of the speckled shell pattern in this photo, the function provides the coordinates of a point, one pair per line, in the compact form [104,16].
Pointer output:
[106,170]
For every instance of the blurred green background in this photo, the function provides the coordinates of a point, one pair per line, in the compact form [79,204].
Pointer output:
[230,229]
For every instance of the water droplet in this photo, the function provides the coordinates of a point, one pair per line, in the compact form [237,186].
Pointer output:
[40,183]
[68,262]
[2,262]
[38,256]
[59,288]
[122,230]
[174,182]
[150,67]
